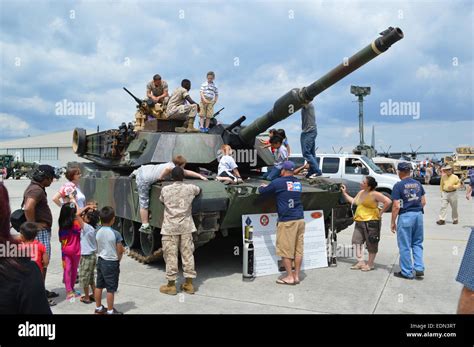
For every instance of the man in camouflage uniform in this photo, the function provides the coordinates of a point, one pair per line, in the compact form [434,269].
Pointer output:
[182,107]
[176,231]
[157,91]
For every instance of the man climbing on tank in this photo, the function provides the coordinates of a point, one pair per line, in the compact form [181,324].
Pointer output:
[146,175]
[182,107]
[157,91]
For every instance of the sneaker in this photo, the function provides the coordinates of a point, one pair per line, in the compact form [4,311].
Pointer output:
[455,221]
[419,273]
[201,129]
[400,275]
[100,310]
[51,302]
[206,130]
[441,222]
[315,175]
[114,311]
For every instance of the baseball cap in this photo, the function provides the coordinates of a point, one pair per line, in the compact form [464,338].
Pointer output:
[48,170]
[404,166]
[288,165]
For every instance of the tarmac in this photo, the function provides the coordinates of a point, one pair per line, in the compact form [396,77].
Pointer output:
[332,290]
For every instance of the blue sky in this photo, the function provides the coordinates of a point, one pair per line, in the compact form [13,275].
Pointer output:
[87,50]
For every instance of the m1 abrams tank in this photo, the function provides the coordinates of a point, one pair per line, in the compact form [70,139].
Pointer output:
[116,153]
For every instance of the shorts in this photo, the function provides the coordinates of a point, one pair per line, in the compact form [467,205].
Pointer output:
[143,193]
[86,270]
[108,274]
[368,233]
[44,236]
[206,110]
[227,174]
[290,238]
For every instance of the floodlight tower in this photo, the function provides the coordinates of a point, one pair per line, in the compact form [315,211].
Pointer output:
[360,92]
[362,148]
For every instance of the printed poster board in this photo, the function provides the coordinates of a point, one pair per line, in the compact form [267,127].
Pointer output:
[264,240]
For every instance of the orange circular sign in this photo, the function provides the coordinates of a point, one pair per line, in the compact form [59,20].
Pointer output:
[316,215]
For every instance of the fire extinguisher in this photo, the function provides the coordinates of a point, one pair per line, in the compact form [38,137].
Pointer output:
[248,271]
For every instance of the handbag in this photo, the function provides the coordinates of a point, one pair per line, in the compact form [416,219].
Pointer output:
[17,218]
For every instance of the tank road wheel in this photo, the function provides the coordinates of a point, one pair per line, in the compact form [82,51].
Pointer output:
[118,225]
[130,233]
[150,242]
[79,141]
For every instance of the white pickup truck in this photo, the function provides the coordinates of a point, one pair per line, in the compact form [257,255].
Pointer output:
[351,169]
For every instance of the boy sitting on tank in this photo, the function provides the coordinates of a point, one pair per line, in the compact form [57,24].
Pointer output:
[227,171]
[281,155]
[146,175]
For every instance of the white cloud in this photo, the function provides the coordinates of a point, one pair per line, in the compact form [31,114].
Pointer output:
[11,125]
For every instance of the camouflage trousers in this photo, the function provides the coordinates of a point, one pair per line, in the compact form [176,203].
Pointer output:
[185,245]
[182,112]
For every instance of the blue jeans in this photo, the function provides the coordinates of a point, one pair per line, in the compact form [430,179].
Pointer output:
[308,147]
[272,174]
[410,242]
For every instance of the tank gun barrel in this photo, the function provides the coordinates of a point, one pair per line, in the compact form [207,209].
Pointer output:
[293,100]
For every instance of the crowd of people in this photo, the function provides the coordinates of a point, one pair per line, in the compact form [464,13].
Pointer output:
[92,249]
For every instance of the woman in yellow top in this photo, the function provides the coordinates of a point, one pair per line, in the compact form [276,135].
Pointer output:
[367,219]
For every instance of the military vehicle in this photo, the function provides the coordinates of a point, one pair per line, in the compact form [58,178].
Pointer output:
[461,161]
[15,169]
[7,161]
[115,153]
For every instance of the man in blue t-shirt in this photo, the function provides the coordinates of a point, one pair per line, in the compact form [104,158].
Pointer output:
[408,198]
[290,229]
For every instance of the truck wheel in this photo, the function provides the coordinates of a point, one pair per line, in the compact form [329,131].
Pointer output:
[130,233]
[79,141]
[150,242]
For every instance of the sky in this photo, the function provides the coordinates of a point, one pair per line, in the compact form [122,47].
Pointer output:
[85,51]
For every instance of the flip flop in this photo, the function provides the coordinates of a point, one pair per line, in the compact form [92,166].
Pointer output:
[366,269]
[357,267]
[280,281]
[85,301]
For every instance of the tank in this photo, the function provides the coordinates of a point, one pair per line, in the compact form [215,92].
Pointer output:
[115,153]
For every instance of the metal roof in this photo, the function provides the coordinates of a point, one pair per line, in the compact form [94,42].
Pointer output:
[59,139]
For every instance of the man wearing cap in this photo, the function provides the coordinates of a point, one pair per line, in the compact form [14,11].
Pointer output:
[448,186]
[409,200]
[36,208]
[290,228]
